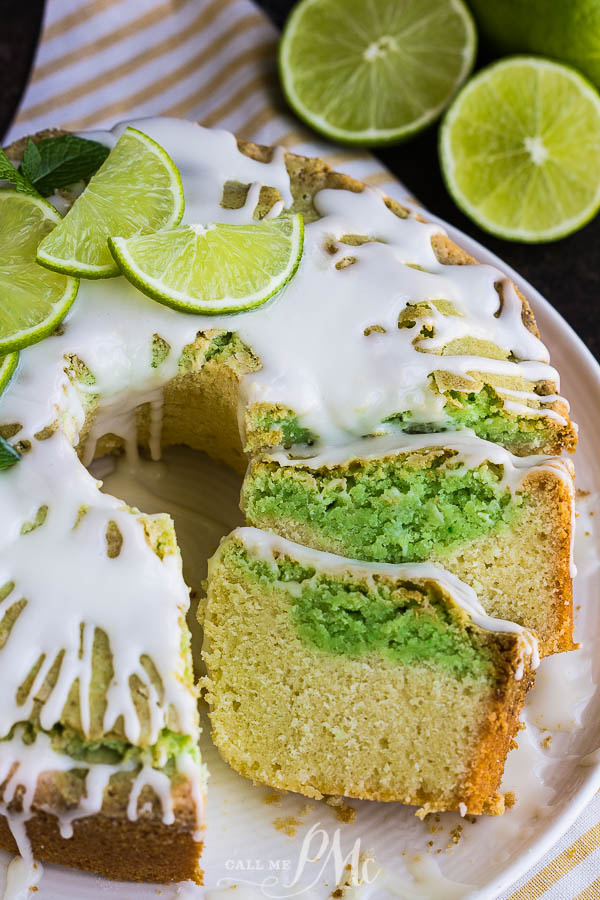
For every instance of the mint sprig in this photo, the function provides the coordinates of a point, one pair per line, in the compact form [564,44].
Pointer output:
[58,162]
[8,455]
[13,176]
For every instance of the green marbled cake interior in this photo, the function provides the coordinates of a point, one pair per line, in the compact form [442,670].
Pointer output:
[393,509]
[353,615]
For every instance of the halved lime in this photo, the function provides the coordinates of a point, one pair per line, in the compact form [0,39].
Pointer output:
[520,149]
[32,300]
[212,269]
[374,73]
[565,30]
[136,190]
[8,364]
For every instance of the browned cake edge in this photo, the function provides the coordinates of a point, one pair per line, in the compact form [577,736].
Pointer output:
[559,635]
[109,843]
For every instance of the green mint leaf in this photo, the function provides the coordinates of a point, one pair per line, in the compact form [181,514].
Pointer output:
[32,161]
[8,455]
[64,160]
[13,176]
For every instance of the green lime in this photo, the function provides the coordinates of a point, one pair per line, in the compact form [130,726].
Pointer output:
[8,364]
[212,269]
[520,149]
[567,30]
[136,190]
[377,72]
[32,300]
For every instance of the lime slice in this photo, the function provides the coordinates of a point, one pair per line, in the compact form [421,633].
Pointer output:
[8,364]
[374,73]
[520,149]
[32,300]
[136,190]
[212,269]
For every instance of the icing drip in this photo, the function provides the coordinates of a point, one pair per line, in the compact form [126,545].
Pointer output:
[22,765]
[160,784]
[268,546]
[92,593]
[21,879]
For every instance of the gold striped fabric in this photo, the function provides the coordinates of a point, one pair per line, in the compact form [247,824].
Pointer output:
[210,60]
[214,61]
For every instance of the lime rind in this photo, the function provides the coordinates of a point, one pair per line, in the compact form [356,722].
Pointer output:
[8,364]
[22,273]
[93,208]
[123,251]
[562,228]
[372,137]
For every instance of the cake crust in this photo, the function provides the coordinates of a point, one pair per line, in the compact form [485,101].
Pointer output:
[118,849]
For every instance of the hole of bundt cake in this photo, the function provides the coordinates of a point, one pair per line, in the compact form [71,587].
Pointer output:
[197,492]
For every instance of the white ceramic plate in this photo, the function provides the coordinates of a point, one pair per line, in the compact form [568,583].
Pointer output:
[262,846]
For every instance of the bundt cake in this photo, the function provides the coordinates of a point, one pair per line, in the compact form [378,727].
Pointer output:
[387,333]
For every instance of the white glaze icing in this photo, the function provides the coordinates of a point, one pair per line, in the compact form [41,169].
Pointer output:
[562,709]
[268,546]
[22,879]
[427,882]
[116,595]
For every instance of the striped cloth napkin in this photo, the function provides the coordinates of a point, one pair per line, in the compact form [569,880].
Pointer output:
[214,61]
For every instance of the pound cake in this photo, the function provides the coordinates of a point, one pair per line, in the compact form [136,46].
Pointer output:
[382,682]
[463,502]
[388,332]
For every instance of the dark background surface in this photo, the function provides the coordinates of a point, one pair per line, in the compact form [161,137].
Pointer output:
[566,272]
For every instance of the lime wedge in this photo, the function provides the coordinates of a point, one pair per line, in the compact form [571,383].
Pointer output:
[520,149]
[212,269]
[32,300]
[374,73]
[8,364]
[137,189]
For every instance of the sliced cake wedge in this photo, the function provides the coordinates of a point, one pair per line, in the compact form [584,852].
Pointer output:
[382,682]
[99,760]
[455,499]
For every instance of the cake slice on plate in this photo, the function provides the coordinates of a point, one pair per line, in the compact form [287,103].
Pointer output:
[99,762]
[382,682]
[454,499]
